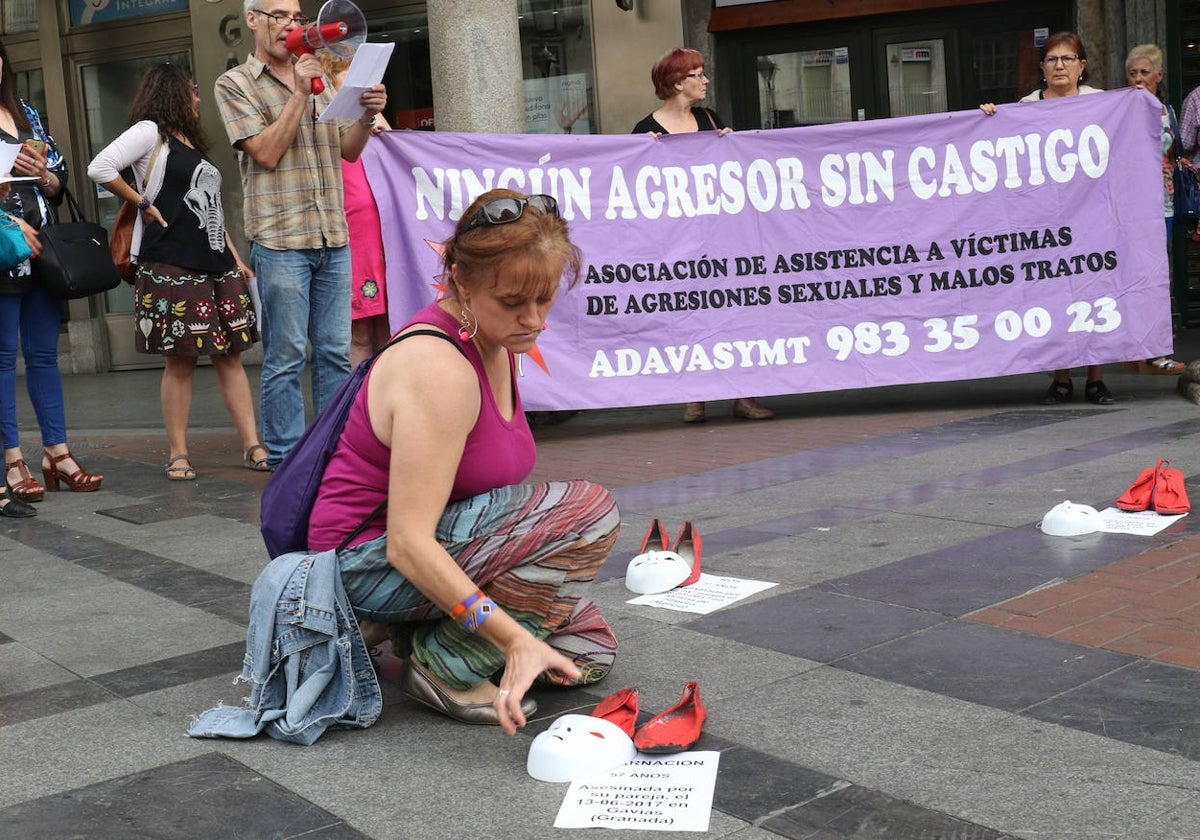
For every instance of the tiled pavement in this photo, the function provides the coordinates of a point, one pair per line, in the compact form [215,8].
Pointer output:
[928,666]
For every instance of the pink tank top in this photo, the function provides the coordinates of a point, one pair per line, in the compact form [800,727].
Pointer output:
[498,453]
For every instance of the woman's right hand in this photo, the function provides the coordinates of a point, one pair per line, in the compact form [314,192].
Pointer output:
[988,108]
[31,236]
[153,215]
[523,662]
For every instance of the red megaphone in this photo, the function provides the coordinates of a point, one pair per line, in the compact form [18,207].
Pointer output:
[308,39]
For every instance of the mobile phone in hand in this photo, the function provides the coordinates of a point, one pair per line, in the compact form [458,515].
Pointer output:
[36,145]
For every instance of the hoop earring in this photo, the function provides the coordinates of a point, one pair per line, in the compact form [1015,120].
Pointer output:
[467,331]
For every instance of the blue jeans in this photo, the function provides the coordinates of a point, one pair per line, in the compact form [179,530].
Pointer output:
[36,316]
[305,297]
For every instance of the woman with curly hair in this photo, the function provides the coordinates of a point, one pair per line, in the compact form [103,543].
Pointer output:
[191,288]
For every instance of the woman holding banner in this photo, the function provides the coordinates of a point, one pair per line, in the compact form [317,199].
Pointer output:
[1144,70]
[680,82]
[1063,62]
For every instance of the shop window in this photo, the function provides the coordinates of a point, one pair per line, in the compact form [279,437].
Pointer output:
[31,87]
[18,16]
[556,63]
[807,87]
[409,77]
[916,72]
[996,63]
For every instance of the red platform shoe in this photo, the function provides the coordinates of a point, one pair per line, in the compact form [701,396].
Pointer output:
[677,729]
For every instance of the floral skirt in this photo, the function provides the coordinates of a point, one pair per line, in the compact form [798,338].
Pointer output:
[177,312]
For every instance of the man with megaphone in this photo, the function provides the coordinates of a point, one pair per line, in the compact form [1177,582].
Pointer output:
[295,222]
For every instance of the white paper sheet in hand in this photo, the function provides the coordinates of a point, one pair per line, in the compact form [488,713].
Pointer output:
[367,69]
[8,156]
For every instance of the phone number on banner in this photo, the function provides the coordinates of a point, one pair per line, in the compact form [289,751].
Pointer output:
[865,338]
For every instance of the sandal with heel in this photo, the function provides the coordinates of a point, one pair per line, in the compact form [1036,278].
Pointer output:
[79,481]
[27,488]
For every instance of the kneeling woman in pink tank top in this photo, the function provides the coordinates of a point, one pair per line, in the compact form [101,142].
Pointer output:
[472,572]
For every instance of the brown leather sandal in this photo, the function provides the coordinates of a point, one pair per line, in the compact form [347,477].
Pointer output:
[26,488]
[80,481]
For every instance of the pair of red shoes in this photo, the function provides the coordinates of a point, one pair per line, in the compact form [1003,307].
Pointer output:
[673,731]
[1158,488]
[688,545]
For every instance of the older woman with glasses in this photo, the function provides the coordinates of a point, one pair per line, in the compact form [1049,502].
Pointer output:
[681,83]
[1144,70]
[1063,62]
[472,573]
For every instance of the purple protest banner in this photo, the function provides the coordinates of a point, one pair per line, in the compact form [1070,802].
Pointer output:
[920,249]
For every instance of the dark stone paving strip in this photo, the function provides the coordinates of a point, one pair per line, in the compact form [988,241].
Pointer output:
[1147,703]
[855,812]
[52,700]
[801,803]
[995,667]
[128,682]
[178,670]
[168,579]
[187,800]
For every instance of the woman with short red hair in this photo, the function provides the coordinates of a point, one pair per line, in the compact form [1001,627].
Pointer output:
[680,82]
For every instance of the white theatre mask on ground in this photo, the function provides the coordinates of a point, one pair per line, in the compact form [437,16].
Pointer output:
[578,747]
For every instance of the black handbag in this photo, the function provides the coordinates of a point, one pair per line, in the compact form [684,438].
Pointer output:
[75,261]
[1184,179]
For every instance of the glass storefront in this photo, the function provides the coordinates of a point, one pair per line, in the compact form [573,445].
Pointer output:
[806,87]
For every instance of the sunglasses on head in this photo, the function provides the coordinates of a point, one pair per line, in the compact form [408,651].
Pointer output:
[501,211]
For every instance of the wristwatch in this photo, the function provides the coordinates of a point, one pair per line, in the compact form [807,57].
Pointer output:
[144,203]
[367,122]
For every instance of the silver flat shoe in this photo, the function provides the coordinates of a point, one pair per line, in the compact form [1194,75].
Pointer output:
[417,683]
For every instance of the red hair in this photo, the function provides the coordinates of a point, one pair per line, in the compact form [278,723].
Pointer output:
[672,68]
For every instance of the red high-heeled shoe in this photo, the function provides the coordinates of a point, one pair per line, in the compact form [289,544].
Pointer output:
[689,546]
[678,728]
[620,708]
[656,537]
[79,481]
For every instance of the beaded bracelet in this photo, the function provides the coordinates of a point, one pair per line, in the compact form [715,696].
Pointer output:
[473,610]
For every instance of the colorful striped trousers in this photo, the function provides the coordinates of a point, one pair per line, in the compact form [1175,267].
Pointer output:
[532,548]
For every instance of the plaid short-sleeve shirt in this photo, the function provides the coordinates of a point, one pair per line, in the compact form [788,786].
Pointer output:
[298,204]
